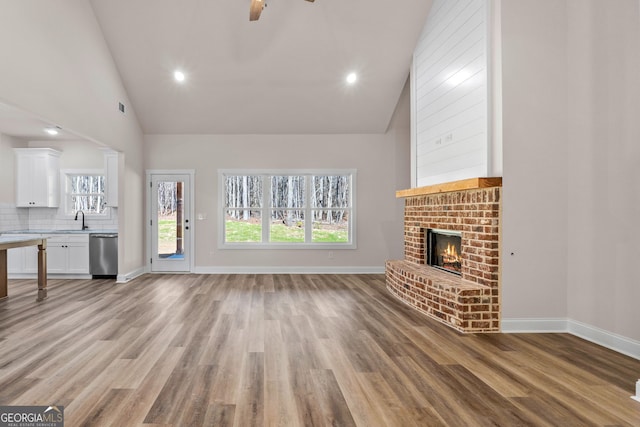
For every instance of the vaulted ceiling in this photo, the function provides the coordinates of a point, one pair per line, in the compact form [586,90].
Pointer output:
[282,74]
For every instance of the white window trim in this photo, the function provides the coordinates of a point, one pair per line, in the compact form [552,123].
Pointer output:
[64,185]
[265,244]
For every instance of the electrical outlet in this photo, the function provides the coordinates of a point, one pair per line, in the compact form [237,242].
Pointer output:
[330,254]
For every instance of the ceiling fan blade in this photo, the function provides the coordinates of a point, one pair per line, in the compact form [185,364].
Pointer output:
[255,9]
[311,1]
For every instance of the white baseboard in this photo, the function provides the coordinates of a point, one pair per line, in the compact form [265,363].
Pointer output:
[607,339]
[534,325]
[613,341]
[289,270]
[124,278]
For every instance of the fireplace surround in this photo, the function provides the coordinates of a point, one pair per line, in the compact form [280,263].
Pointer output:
[468,302]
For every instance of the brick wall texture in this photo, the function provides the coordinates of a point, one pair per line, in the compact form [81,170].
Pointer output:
[468,303]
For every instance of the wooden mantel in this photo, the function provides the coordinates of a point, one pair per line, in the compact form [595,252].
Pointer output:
[447,187]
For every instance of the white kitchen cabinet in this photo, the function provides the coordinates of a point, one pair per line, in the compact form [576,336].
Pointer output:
[14,260]
[37,177]
[111,178]
[30,262]
[68,254]
[78,260]
[23,260]
[56,256]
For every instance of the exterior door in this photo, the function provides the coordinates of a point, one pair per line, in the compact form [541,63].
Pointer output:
[170,223]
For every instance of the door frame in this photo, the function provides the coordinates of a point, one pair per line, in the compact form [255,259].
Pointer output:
[149,215]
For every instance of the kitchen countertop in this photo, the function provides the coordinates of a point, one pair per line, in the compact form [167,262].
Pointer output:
[88,231]
[9,241]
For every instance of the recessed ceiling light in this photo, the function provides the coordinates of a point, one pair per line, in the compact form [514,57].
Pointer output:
[179,76]
[351,78]
[51,131]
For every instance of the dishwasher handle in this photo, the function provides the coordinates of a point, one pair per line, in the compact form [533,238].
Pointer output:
[104,236]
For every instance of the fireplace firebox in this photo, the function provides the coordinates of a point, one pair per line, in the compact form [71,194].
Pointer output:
[443,250]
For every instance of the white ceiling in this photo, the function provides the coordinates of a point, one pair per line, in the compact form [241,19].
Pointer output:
[284,74]
[27,126]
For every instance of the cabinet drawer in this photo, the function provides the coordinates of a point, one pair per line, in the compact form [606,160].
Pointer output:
[53,239]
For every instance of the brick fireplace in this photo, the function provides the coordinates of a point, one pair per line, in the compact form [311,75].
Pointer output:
[469,302]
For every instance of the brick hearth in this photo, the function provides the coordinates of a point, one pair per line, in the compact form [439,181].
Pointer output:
[468,303]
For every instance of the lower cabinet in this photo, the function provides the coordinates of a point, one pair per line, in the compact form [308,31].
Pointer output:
[66,254]
[23,260]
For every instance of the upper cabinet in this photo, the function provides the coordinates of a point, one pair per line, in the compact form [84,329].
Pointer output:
[111,178]
[37,177]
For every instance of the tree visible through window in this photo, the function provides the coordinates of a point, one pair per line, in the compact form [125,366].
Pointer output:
[85,193]
[288,208]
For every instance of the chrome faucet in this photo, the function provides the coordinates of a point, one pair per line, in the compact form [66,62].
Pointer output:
[84,227]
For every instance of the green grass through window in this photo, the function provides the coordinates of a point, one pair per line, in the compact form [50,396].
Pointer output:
[246,232]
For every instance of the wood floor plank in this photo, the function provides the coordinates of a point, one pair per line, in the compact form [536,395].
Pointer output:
[289,350]
[250,408]
[113,401]
[220,415]
[280,408]
[228,362]
[436,385]
[362,409]
[391,410]
[332,404]
[144,396]
[141,366]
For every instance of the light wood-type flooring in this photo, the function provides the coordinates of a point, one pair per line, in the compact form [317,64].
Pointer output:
[289,350]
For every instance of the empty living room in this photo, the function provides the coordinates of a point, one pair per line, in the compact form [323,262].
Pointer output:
[319,213]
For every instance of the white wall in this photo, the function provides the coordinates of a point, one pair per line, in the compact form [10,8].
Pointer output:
[604,160]
[7,170]
[400,132]
[380,161]
[56,65]
[571,189]
[451,94]
[10,217]
[535,216]
[74,154]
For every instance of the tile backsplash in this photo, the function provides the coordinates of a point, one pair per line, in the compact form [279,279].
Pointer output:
[12,219]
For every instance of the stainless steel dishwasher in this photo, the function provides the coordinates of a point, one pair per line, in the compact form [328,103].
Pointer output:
[103,254]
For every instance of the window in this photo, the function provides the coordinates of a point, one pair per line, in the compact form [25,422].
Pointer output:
[84,191]
[287,209]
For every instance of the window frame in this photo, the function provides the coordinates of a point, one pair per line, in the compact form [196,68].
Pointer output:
[266,175]
[66,195]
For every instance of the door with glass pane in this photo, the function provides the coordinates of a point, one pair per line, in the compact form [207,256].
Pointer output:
[170,223]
